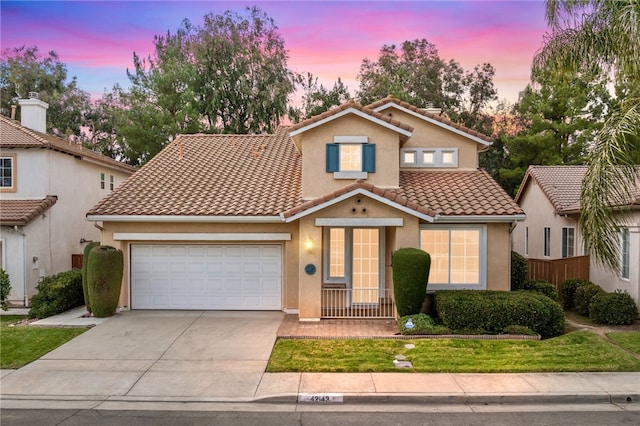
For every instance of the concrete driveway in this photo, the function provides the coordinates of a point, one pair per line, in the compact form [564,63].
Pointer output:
[157,355]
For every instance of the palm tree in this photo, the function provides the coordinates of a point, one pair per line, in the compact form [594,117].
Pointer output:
[602,35]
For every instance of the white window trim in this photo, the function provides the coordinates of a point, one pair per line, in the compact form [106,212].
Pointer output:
[482,285]
[565,238]
[13,186]
[437,153]
[351,140]
[625,233]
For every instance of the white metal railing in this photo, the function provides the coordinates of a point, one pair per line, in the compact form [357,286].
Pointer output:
[341,302]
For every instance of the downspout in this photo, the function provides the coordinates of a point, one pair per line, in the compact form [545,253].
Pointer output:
[24,265]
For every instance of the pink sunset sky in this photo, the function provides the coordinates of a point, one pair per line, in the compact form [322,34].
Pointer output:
[96,40]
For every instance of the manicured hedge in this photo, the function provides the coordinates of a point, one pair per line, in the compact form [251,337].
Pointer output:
[583,297]
[518,271]
[568,291]
[410,276]
[57,293]
[616,308]
[541,286]
[493,311]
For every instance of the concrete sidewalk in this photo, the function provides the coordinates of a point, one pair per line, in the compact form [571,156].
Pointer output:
[162,360]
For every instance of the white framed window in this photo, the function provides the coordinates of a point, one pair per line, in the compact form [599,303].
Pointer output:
[429,157]
[8,173]
[111,182]
[102,181]
[526,240]
[351,157]
[568,242]
[625,252]
[337,253]
[458,256]
[547,241]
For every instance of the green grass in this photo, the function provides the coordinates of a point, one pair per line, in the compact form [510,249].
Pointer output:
[21,345]
[629,340]
[576,351]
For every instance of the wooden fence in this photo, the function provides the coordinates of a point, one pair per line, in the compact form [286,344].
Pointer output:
[558,270]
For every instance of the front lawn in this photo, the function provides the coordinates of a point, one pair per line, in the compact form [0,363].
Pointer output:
[629,340]
[21,345]
[573,352]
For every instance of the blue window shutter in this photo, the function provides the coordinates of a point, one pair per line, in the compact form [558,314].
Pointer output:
[369,157]
[333,157]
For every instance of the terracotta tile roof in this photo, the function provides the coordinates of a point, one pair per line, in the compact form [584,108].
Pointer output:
[562,185]
[14,135]
[213,175]
[390,194]
[345,106]
[437,117]
[436,193]
[21,212]
[452,193]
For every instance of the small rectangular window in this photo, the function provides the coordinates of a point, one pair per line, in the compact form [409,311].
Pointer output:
[526,241]
[7,173]
[428,158]
[336,252]
[409,158]
[101,180]
[547,241]
[111,182]
[626,254]
[448,158]
[568,238]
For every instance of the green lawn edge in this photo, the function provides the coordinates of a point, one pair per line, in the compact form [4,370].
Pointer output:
[578,351]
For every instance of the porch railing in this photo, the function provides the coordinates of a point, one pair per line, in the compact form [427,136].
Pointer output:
[342,302]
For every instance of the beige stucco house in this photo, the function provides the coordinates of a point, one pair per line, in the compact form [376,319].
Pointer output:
[46,187]
[550,197]
[305,220]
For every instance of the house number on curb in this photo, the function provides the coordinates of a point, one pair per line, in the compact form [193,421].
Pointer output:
[321,398]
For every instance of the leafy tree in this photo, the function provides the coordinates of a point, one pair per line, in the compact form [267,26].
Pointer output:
[317,99]
[23,70]
[102,123]
[416,74]
[602,36]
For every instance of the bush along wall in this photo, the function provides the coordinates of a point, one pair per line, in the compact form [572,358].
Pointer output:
[410,275]
[85,263]
[57,293]
[518,271]
[104,279]
[583,297]
[495,311]
[568,291]
[616,308]
[541,286]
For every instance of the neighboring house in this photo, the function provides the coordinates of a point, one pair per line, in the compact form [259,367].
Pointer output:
[306,220]
[550,197]
[46,187]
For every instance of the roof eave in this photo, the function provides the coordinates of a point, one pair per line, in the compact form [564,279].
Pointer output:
[183,219]
[481,218]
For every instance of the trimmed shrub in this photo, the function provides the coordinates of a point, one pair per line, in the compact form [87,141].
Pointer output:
[57,293]
[410,276]
[568,291]
[583,297]
[616,308]
[518,271]
[104,279]
[5,289]
[85,262]
[518,329]
[541,286]
[422,324]
[494,310]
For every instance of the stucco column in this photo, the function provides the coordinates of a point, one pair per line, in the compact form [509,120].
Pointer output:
[310,284]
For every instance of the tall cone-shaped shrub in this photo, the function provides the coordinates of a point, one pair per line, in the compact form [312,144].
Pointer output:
[104,278]
[410,275]
[85,262]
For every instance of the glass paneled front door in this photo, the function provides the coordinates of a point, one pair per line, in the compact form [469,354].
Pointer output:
[365,277]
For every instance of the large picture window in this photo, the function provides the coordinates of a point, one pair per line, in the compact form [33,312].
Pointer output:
[457,257]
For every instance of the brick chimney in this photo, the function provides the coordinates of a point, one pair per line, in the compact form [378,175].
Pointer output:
[33,113]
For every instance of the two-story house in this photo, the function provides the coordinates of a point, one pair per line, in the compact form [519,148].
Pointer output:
[46,187]
[305,220]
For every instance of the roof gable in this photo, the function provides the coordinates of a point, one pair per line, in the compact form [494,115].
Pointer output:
[560,184]
[22,212]
[14,135]
[435,119]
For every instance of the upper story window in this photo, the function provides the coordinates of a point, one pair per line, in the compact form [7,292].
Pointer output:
[429,157]
[8,173]
[102,181]
[111,182]
[568,244]
[351,157]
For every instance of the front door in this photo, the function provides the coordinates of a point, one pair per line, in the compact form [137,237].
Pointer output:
[353,258]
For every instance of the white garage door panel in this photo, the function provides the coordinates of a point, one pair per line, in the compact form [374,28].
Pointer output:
[232,277]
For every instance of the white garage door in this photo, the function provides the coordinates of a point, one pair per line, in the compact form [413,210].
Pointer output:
[226,277]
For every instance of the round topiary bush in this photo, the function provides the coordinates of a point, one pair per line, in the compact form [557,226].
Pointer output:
[542,286]
[410,276]
[584,294]
[104,279]
[85,263]
[616,308]
[568,291]
[518,271]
